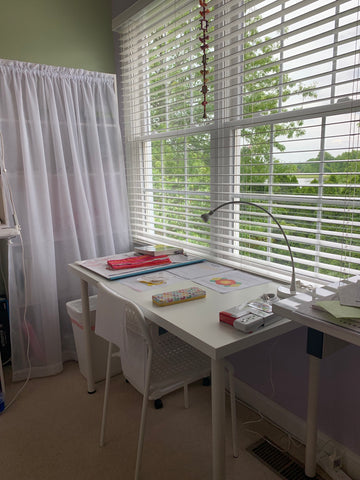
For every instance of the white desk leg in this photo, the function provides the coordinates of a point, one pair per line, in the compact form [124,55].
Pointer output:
[218,418]
[312,417]
[86,333]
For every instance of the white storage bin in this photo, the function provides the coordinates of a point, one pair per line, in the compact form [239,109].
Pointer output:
[99,346]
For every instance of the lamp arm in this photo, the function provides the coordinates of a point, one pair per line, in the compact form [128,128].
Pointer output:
[206,216]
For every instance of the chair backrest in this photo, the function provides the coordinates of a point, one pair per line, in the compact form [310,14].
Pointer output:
[121,322]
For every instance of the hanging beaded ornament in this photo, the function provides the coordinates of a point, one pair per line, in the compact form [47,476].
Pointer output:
[204,24]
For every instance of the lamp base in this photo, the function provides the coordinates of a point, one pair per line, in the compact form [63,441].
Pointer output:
[284,292]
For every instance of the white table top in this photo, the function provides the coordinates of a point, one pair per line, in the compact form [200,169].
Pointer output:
[8,232]
[197,321]
[299,309]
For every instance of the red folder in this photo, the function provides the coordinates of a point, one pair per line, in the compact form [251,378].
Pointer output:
[138,262]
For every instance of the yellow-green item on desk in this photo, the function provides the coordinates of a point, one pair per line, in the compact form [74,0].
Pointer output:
[335,308]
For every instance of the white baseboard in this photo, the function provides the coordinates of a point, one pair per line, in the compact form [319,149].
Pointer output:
[294,425]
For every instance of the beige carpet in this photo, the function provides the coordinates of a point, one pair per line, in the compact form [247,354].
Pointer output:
[51,433]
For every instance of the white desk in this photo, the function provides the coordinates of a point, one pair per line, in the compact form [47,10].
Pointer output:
[324,338]
[197,323]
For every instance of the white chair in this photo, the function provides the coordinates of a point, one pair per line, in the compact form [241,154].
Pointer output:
[154,365]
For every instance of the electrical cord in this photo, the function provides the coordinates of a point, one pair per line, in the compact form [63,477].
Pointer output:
[26,325]
[17,226]
[291,441]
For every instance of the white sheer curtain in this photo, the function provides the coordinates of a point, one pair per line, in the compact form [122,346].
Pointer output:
[64,161]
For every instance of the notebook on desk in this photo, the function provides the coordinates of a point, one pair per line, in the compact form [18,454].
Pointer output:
[100,265]
[349,323]
[303,306]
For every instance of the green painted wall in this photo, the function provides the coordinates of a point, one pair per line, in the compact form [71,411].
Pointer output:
[69,33]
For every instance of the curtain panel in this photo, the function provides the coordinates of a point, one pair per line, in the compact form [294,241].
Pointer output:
[64,166]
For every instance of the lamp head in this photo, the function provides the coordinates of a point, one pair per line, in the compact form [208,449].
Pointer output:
[205,216]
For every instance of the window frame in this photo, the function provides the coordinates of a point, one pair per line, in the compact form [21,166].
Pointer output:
[223,139]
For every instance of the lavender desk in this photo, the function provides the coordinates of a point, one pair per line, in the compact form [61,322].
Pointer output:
[325,336]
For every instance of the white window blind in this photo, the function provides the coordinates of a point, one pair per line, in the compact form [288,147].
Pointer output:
[282,130]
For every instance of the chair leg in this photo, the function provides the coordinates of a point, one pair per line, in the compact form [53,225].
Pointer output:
[106,393]
[145,403]
[234,432]
[186,395]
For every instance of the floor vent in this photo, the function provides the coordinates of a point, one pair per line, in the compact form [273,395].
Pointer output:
[279,462]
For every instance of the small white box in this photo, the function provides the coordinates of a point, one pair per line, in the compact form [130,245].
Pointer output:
[99,346]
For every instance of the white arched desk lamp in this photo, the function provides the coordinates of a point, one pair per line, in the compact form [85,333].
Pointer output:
[283,292]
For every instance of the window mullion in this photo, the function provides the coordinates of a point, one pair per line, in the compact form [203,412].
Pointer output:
[270,187]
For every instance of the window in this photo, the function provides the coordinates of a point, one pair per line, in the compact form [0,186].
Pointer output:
[282,130]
